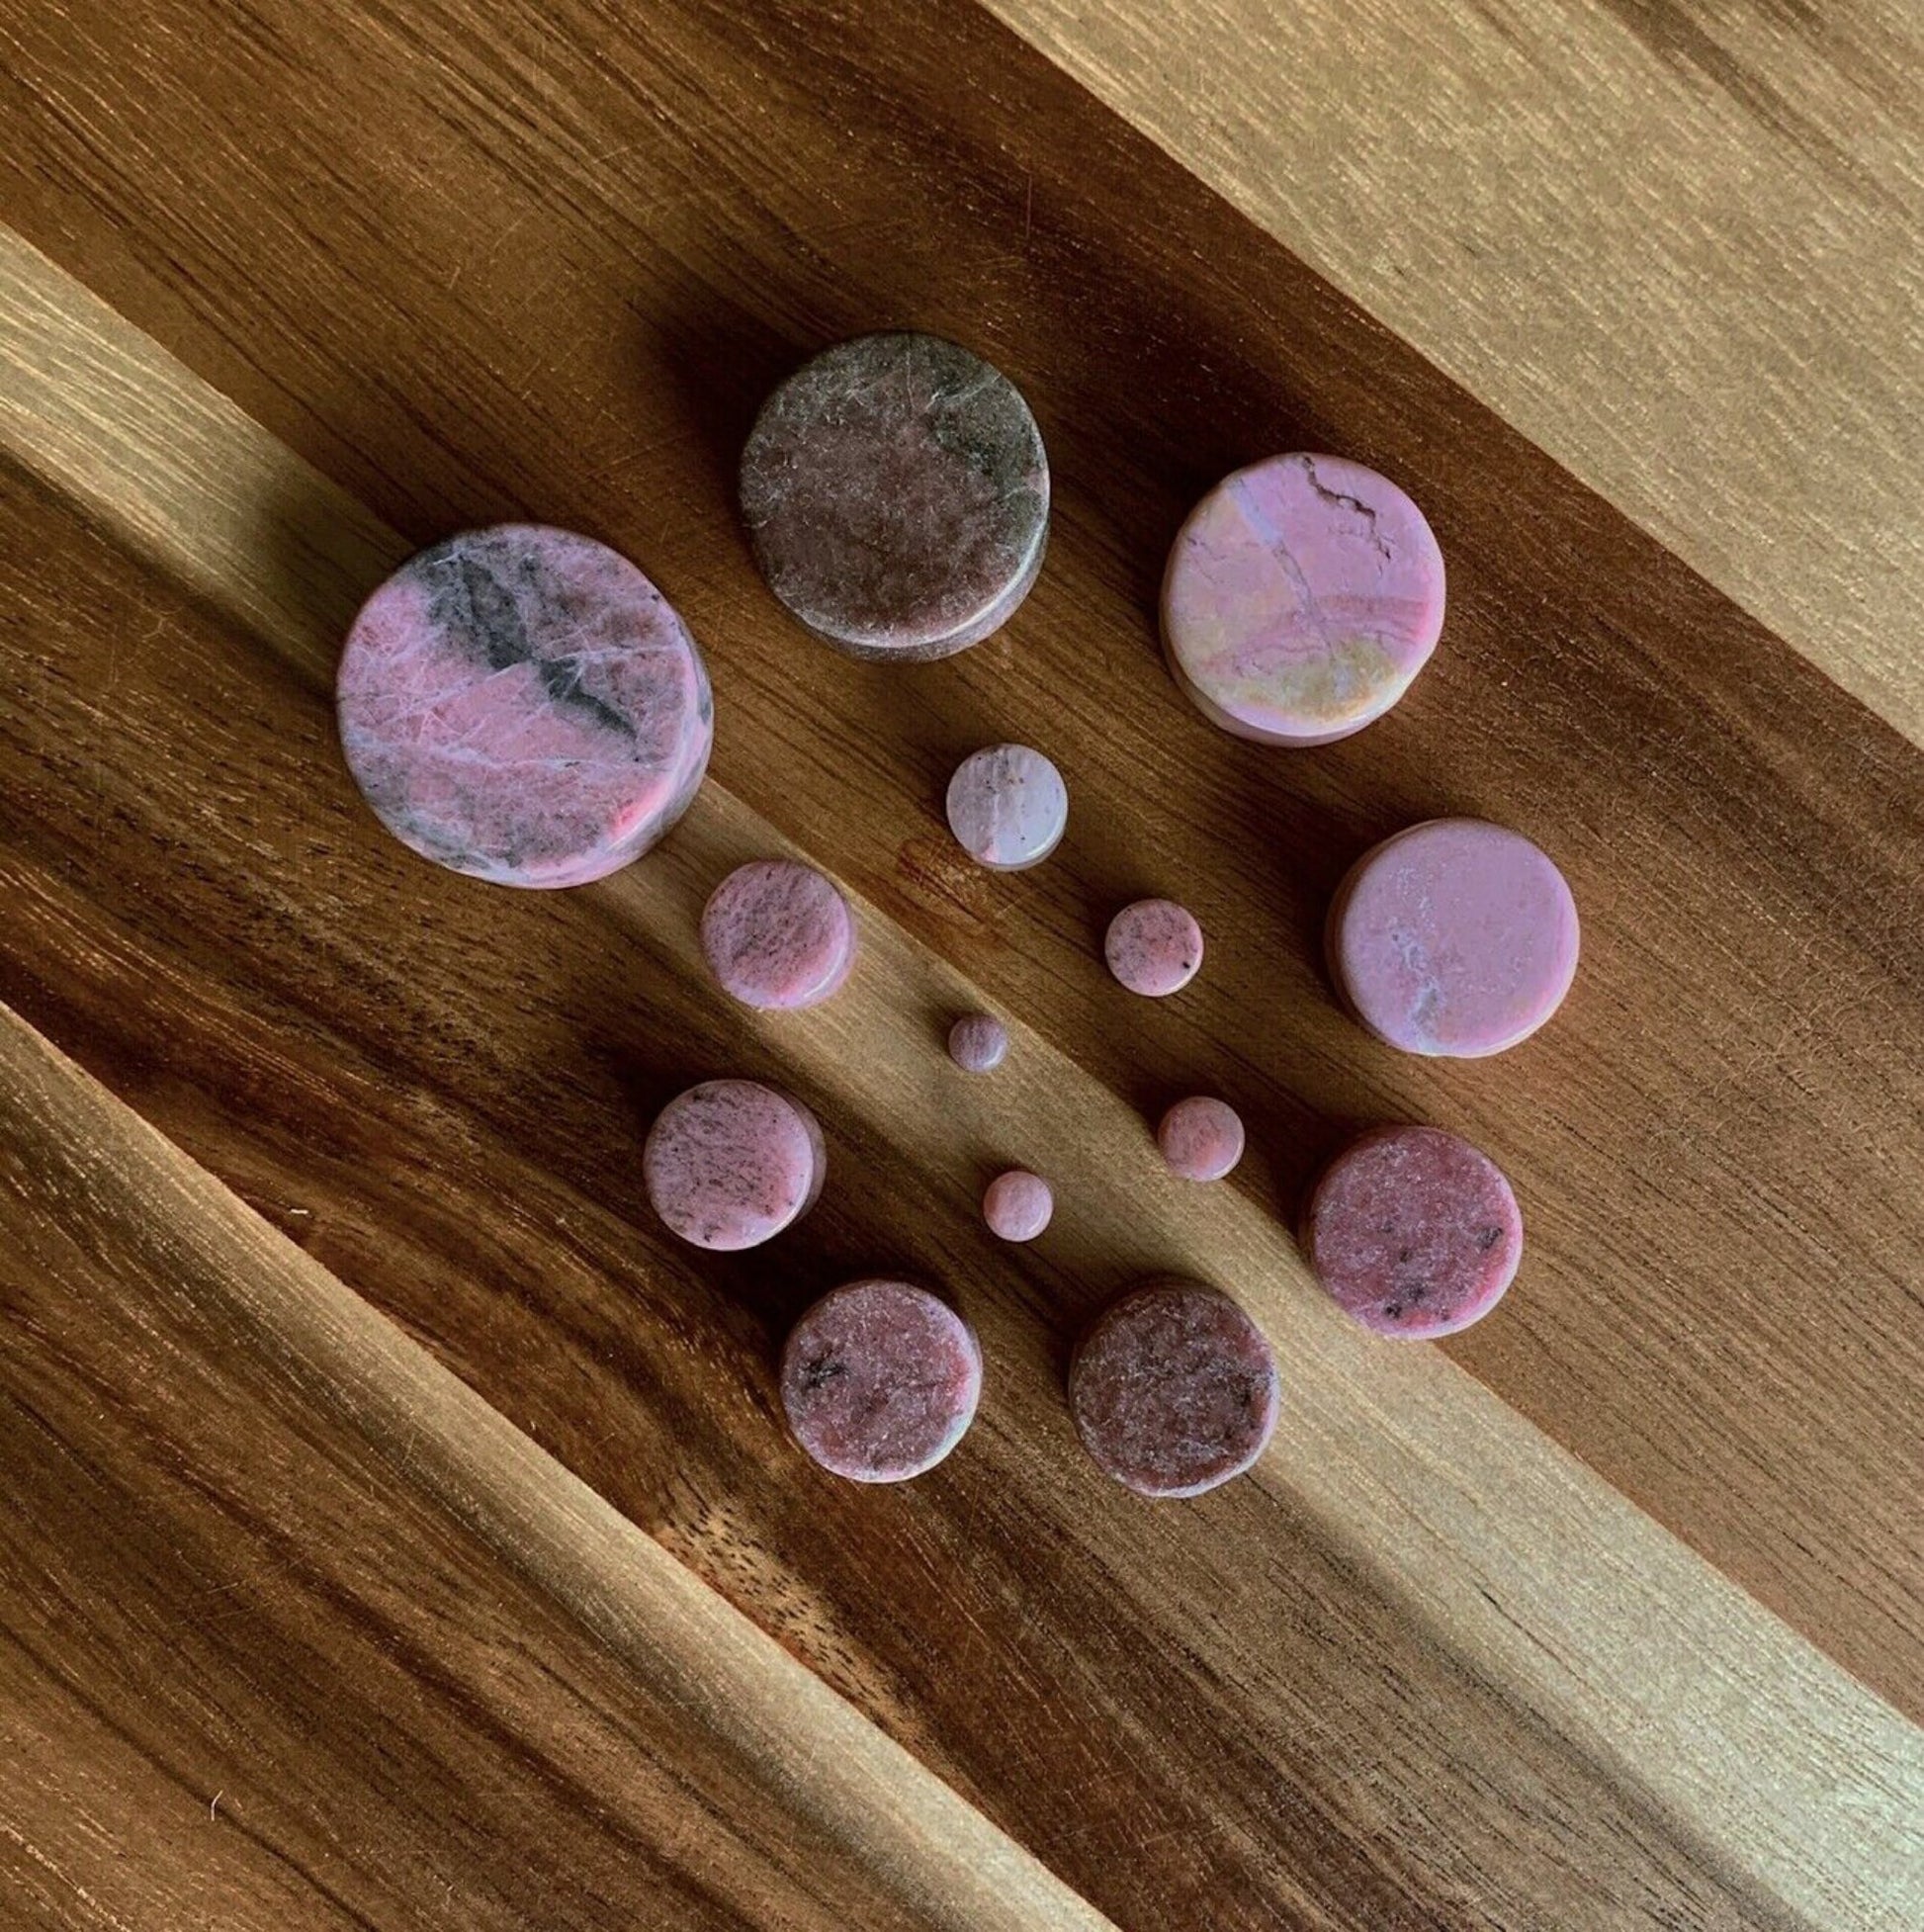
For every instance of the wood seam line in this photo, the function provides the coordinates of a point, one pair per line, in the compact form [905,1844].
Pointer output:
[1517,1557]
[1678,256]
[70,1138]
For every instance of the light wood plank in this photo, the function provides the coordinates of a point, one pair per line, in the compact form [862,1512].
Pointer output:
[1507,1553]
[1680,248]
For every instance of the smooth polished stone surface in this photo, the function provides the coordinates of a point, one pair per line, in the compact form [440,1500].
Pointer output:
[730,1162]
[1173,1389]
[978,1042]
[880,1380]
[778,935]
[897,495]
[1017,1205]
[1153,947]
[1007,806]
[1414,1232]
[1455,937]
[1201,1139]
[521,704]
[1302,598]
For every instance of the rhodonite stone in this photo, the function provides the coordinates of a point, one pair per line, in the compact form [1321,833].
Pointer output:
[1201,1138]
[521,704]
[1455,937]
[1413,1232]
[1017,1205]
[1007,806]
[1302,596]
[1153,947]
[897,496]
[778,935]
[730,1162]
[880,1380]
[978,1042]
[1173,1389]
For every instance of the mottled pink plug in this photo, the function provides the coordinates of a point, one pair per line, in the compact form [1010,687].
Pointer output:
[1201,1138]
[1302,598]
[730,1162]
[1153,947]
[1414,1232]
[1017,1205]
[978,1042]
[897,495]
[880,1380]
[1007,806]
[778,935]
[1455,937]
[1173,1389]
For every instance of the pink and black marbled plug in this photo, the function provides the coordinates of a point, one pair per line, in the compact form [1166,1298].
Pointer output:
[521,704]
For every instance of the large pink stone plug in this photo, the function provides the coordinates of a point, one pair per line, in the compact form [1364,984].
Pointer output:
[897,495]
[523,705]
[778,935]
[1455,937]
[1413,1232]
[730,1162]
[1173,1389]
[1302,596]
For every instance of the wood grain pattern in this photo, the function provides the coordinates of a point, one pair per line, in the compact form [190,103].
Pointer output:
[1377,1446]
[1426,1669]
[1677,246]
[299,1632]
[1722,1115]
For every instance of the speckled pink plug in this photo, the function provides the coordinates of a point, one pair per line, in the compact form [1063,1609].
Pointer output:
[1302,596]
[1201,1138]
[1455,937]
[730,1162]
[1007,806]
[1173,1389]
[1017,1205]
[523,705]
[1414,1232]
[1153,947]
[897,496]
[978,1042]
[880,1380]
[778,935]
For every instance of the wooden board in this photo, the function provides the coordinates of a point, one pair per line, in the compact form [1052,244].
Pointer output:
[1434,1664]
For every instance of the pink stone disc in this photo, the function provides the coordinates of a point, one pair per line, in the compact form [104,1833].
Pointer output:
[1153,947]
[1302,596]
[1455,937]
[978,1042]
[1017,1205]
[522,704]
[880,1380]
[897,496]
[1414,1232]
[1007,806]
[730,1162]
[1201,1138]
[778,935]
[1173,1389]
